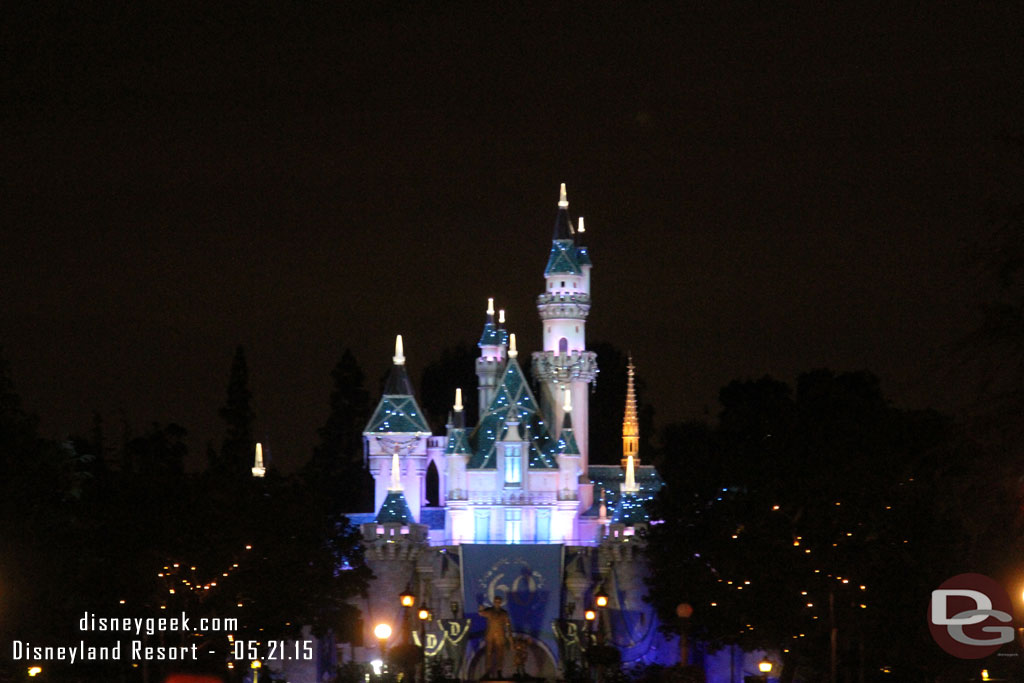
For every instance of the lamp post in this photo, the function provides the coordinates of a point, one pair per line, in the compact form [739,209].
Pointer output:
[765,667]
[382,631]
[424,616]
[255,666]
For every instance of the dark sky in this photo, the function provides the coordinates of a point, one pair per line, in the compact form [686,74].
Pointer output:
[766,189]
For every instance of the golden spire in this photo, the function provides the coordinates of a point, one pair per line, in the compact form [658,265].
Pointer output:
[630,425]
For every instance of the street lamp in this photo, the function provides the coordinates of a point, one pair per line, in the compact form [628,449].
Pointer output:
[601,598]
[765,666]
[34,671]
[382,632]
[407,598]
[424,616]
[255,665]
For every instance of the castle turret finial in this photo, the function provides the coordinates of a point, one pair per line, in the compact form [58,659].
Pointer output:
[490,305]
[512,350]
[396,474]
[581,228]
[258,470]
[630,485]
[501,317]
[399,356]
[458,400]
[563,201]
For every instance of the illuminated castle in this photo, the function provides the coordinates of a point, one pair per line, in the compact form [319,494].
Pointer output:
[516,490]
[522,474]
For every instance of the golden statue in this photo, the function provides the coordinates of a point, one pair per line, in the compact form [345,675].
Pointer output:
[496,637]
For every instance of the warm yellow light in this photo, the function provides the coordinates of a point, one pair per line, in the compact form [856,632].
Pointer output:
[764,666]
[408,600]
[255,664]
[601,600]
[984,675]
[590,615]
[382,631]
[34,671]
[423,614]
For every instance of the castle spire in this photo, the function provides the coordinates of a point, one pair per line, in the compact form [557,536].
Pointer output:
[396,475]
[512,350]
[491,362]
[459,417]
[563,226]
[398,382]
[630,485]
[399,356]
[258,470]
[630,424]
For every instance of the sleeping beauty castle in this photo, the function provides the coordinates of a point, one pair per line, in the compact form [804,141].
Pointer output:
[510,507]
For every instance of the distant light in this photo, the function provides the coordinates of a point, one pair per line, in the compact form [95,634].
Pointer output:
[764,666]
[377,666]
[590,615]
[382,631]
[34,671]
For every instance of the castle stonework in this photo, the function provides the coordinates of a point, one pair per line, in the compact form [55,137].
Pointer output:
[520,513]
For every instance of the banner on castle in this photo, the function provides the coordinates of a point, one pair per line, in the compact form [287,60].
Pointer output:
[528,578]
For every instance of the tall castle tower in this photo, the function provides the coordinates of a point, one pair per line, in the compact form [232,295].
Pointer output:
[630,423]
[565,362]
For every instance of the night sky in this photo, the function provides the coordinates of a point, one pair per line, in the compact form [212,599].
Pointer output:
[766,190]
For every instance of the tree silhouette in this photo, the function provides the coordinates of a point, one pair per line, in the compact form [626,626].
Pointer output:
[237,448]
[456,368]
[808,496]
[336,466]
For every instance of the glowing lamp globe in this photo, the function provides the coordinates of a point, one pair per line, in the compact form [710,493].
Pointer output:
[423,614]
[382,631]
[407,599]
[764,666]
[684,610]
[590,615]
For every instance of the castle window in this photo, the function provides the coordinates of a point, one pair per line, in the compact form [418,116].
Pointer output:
[563,283]
[563,345]
[542,531]
[513,465]
[513,525]
[482,525]
[433,485]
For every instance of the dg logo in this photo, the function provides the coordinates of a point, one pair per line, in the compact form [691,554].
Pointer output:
[969,616]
